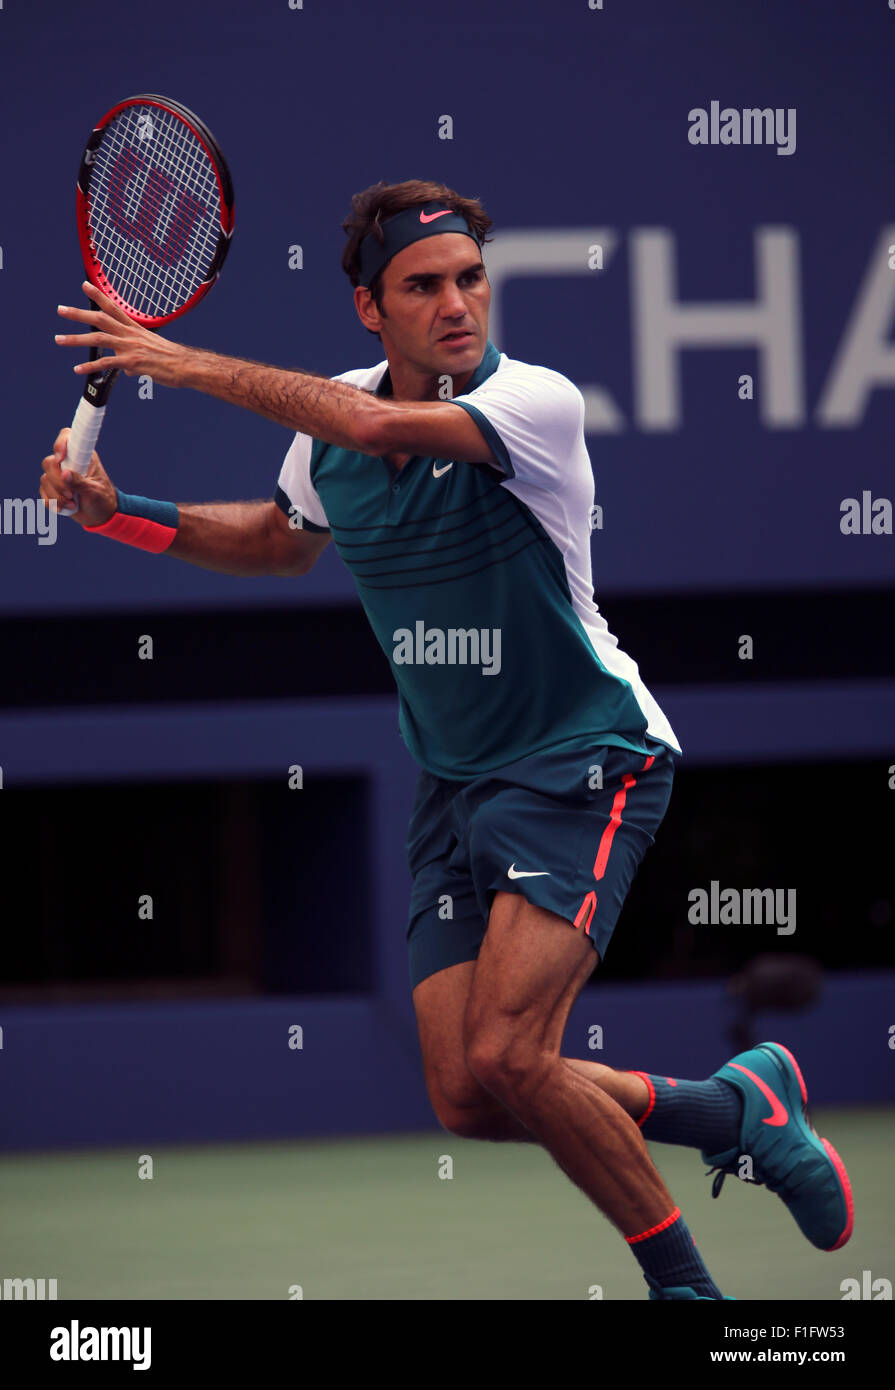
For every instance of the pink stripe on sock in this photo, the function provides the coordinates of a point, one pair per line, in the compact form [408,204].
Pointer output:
[652,1095]
[654,1230]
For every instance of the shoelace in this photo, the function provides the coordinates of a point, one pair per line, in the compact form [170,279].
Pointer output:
[721,1174]
[804,1172]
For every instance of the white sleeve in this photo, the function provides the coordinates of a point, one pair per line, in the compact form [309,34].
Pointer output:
[532,419]
[295,491]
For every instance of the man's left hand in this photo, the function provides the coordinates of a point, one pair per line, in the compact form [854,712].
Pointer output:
[134,350]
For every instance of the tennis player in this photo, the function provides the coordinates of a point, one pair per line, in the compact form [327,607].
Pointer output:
[456,485]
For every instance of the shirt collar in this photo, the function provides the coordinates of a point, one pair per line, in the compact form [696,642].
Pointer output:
[486,368]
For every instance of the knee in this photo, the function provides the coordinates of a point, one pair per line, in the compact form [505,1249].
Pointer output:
[505,1066]
[461,1105]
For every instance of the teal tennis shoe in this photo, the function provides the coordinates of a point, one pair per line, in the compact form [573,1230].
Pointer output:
[788,1156]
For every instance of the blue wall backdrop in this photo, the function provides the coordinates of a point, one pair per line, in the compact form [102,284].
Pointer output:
[720,515]
[572,126]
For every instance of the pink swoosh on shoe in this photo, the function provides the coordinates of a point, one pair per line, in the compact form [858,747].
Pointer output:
[779,1114]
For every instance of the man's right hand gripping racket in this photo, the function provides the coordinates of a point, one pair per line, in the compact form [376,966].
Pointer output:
[155,218]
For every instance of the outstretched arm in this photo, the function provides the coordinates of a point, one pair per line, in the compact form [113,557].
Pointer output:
[329,410]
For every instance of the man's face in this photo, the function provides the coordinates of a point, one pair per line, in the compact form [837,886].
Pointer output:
[435,306]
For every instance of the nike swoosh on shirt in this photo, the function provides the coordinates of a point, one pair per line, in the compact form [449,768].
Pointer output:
[513,872]
[437,472]
[779,1114]
[431,216]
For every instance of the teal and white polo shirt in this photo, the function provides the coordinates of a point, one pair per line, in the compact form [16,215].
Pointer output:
[477,579]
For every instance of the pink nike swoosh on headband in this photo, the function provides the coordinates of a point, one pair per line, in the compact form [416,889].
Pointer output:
[779,1114]
[431,216]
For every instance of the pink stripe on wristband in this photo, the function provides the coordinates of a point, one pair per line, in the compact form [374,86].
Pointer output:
[136,530]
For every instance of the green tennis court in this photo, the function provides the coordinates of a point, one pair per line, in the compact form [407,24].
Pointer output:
[372,1219]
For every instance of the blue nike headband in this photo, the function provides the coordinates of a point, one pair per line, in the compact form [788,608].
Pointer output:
[403,230]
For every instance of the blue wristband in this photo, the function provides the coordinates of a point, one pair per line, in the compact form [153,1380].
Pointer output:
[162,513]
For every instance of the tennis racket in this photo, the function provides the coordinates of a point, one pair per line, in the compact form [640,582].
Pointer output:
[155,218]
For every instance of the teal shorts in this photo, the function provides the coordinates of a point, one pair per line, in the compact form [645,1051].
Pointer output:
[567,829]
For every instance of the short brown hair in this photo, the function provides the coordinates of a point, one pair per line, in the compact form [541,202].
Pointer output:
[382,200]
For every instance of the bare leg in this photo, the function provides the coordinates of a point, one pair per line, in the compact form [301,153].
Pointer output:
[461,1103]
[626,1089]
[530,970]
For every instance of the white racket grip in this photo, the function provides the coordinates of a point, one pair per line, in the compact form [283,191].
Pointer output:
[85,430]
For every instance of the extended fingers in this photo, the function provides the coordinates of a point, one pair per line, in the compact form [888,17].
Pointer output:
[105,303]
[90,339]
[101,364]
[106,308]
[101,337]
[96,316]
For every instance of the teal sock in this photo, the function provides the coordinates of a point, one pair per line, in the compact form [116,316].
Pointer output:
[668,1256]
[705,1115]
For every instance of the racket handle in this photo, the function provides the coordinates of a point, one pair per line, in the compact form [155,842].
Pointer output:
[85,430]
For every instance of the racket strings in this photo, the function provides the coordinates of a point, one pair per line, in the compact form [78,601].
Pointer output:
[154,210]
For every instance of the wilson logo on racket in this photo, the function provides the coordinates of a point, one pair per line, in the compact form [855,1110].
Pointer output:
[158,193]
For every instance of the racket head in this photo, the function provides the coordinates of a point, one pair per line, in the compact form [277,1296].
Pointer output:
[154,208]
